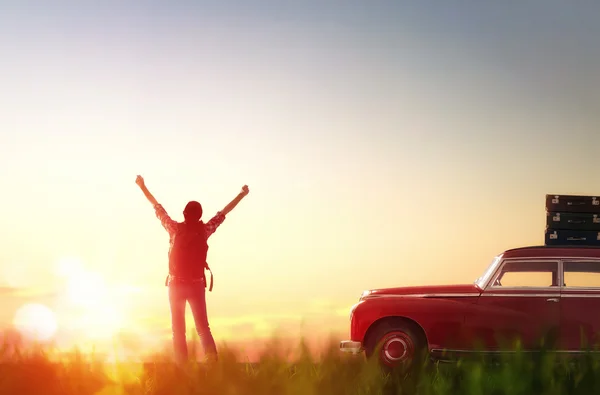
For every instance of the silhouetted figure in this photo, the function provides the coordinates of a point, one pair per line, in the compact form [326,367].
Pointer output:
[187,263]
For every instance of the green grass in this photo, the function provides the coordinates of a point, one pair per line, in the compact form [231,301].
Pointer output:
[329,372]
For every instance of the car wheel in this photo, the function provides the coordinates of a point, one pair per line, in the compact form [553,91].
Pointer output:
[396,345]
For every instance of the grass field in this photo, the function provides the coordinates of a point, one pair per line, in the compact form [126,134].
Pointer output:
[36,371]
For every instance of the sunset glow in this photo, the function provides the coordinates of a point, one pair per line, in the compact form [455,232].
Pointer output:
[384,144]
[100,307]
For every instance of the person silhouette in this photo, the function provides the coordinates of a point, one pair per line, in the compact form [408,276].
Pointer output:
[188,248]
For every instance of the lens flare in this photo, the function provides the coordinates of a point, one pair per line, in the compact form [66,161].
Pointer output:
[36,322]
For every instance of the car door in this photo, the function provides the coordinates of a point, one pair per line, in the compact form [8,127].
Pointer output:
[580,304]
[520,304]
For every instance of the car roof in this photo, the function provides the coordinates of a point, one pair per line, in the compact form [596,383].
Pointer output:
[550,251]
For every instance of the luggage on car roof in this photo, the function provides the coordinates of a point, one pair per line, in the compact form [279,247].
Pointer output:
[572,220]
[572,204]
[572,237]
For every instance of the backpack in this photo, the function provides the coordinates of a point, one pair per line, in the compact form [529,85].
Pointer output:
[189,249]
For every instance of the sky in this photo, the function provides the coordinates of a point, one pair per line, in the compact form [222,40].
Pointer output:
[385,143]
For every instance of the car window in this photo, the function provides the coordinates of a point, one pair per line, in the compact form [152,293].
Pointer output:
[527,274]
[582,274]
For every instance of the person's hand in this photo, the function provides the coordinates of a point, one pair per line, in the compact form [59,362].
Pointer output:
[245,190]
[139,180]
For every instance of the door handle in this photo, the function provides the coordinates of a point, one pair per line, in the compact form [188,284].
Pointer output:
[555,300]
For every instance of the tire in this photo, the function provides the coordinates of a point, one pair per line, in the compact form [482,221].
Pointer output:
[397,345]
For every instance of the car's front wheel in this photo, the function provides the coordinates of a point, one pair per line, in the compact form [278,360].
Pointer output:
[397,345]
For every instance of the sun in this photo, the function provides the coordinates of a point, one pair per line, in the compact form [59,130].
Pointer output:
[87,289]
[36,321]
[99,309]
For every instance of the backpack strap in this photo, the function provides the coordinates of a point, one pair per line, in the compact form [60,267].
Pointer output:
[211,278]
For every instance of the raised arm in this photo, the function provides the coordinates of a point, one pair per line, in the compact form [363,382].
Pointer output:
[139,180]
[161,213]
[235,201]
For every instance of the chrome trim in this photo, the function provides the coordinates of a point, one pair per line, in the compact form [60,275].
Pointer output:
[350,346]
[451,295]
[440,350]
[524,288]
[580,296]
[448,350]
[386,350]
[430,295]
[579,259]
[523,295]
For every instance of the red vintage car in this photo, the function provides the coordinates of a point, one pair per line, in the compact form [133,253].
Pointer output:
[530,298]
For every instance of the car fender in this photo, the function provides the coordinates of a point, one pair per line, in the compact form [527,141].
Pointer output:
[440,319]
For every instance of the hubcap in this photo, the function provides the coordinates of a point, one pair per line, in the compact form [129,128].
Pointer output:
[397,348]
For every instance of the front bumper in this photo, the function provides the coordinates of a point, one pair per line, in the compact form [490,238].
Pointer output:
[350,346]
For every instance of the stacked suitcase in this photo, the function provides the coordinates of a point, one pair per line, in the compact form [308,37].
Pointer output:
[572,220]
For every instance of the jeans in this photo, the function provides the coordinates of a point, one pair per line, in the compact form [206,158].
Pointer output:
[195,294]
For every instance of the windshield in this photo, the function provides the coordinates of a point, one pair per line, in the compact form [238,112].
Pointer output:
[481,281]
